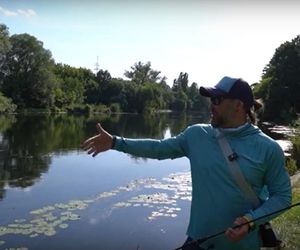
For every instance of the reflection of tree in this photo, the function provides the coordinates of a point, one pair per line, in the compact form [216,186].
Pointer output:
[21,157]
[179,122]
[27,141]
[147,126]
[133,126]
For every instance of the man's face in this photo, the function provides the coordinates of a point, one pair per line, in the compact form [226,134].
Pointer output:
[222,111]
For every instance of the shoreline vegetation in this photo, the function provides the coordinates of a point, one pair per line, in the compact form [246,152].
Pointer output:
[287,224]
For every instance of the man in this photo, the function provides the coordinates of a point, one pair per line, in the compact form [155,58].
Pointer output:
[217,200]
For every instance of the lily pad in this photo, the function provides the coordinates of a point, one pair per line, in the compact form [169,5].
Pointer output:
[63,226]
[34,235]
[50,232]
[122,204]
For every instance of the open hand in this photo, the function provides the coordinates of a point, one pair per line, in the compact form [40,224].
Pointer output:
[98,143]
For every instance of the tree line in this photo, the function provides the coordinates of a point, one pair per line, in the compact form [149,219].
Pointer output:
[279,87]
[29,78]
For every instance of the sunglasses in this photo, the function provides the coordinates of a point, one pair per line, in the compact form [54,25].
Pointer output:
[217,100]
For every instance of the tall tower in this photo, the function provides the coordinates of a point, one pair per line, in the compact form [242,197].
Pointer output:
[97,66]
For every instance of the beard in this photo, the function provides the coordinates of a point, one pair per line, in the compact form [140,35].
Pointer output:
[217,121]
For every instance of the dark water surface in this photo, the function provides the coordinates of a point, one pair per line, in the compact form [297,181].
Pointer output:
[55,196]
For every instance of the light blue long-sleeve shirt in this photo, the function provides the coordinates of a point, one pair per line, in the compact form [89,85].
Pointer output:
[216,199]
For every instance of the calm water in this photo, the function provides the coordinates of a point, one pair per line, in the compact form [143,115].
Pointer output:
[55,196]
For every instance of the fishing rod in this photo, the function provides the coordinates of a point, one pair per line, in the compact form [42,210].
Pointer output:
[201,240]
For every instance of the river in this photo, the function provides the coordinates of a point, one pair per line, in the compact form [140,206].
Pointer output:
[55,196]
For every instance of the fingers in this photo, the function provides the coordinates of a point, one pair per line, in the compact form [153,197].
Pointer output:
[98,143]
[233,234]
[95,153]
[239,221]
[230,234]
[237,233]
[92,149]
[89,142]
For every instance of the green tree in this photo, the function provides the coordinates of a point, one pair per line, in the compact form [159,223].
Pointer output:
[149,98]
[181,83]
[103,76]
[73,90]
[193,91]
[92,92]
[181,100]
[89,81]
[111,92]
[128,97]
[280,83]
[141,73]
[103,89]
[6,105]
[260,89]
[179,103]
[4,48]
[74,85]
[192,94]
[29,79]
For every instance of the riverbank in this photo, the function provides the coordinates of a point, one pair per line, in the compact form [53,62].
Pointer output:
[282,134]
[288,137]
[287,224]
[295,179]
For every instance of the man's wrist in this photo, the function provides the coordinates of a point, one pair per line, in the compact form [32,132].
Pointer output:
[251,224]
[114,138]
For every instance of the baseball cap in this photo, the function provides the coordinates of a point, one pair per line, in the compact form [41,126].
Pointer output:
[232,88]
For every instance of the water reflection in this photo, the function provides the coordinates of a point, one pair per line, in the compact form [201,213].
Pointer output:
[44,174]
[27,142]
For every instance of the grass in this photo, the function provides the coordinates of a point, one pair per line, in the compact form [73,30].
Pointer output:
[288,224]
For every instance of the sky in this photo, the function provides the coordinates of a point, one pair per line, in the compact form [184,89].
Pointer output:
[208,39]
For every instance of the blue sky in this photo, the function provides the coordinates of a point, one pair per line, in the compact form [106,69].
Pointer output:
[205,38]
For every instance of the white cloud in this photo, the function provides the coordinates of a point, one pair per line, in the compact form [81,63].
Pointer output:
[19,12]
[27,13]
[7,12]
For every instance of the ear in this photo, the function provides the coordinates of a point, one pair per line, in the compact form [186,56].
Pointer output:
[239,105]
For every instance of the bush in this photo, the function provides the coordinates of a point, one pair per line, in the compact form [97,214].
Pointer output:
[100,109]
[296,149]
[56,110]
[115,108]
[76,109]
[291,166]
[6,104]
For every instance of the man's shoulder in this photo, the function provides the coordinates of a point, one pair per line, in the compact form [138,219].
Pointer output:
[200,128]
[267,141]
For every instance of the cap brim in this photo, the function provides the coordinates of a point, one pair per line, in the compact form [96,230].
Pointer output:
[211,92]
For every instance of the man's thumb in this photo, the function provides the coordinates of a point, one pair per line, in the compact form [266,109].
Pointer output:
[99,128]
